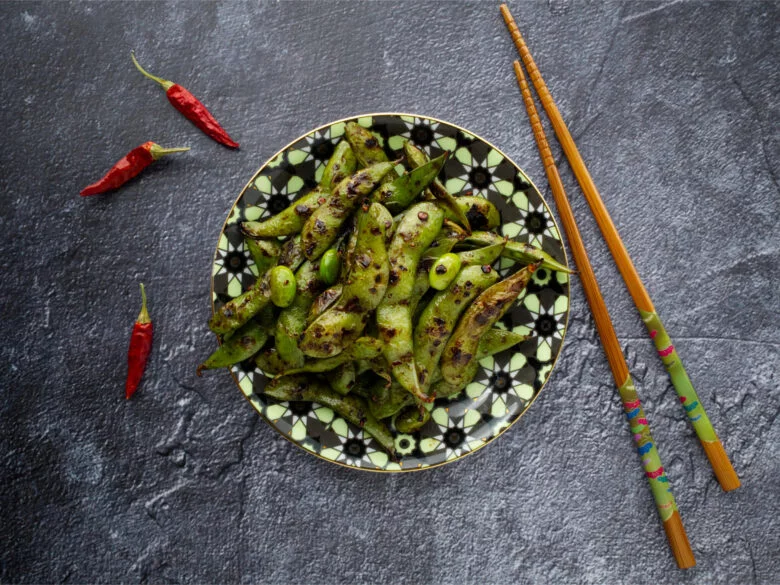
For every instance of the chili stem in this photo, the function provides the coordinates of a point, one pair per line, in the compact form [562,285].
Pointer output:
[143,316]
[166,85]
[158,151]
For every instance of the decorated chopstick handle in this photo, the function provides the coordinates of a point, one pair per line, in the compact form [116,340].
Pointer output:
[682,384]
[645,446]
[693,407]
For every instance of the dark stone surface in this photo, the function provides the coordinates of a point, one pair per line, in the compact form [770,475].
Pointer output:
[675,109]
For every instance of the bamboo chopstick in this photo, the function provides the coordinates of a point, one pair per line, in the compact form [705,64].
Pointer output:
[691,403]
[640,429]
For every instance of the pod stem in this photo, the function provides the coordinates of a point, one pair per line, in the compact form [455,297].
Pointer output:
[158,151]
[143,316]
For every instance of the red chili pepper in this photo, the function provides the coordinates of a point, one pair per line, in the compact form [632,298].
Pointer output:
[129,166]
[191,107]
[140,347]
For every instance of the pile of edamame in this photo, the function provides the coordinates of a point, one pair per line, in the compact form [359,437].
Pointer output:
[376,291]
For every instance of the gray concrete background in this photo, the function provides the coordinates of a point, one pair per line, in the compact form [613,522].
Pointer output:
[675,109]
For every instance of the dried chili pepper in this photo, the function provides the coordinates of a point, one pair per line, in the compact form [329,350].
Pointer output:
[140,347]
[191,107]
[129,166]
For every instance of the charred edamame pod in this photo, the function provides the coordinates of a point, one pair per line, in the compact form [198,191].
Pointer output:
[367,148]
[269,361]
[289,221]
[352,408]
[324,302]
[342,378]
[366,283]
[292,253]
[418,228]
[518,251]
[411,419]
[481,213]
[492,342]
[438,319]
[245,343]
[386,400]
[322,228]
[481,256]
[458,361]
[265,254]
[416,158]
[241,309]
[364,348]
[401,192]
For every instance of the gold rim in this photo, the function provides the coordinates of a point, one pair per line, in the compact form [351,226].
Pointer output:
[563,337]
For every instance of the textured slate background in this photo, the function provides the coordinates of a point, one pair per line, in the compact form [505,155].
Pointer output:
[675,108]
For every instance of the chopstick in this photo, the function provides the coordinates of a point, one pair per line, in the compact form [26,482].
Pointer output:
[722,467]
[640,429]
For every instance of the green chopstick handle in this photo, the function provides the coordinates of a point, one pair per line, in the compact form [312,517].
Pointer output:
[682,383]
[645,446]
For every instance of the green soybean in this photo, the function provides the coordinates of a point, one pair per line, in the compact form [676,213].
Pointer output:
[444,271]
[330,266]
[282,282]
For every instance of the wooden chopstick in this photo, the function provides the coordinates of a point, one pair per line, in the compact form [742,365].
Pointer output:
[640,429]
[721,465]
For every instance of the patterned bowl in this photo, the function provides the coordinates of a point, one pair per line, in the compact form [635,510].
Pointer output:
[507,383]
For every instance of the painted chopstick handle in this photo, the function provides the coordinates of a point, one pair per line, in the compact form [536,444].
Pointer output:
[690,402]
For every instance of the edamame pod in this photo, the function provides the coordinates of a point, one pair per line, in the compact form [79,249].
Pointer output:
[245,343]
[481,256]
[265,254]
[386,400]
[322,228]
[342,164]
[282,282]
[449,235]
[411,419]
[353,408]
[289,221]
[365,286]
[367,148]
[416,158]
[364,348]
[292,320]
[481,213]
[324,302]
[270,362]
[417,230]
[444,270]
[518,251]
[438,319]
[458,363]
[241,309]
[399,194]
[292,253]
[494,341]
